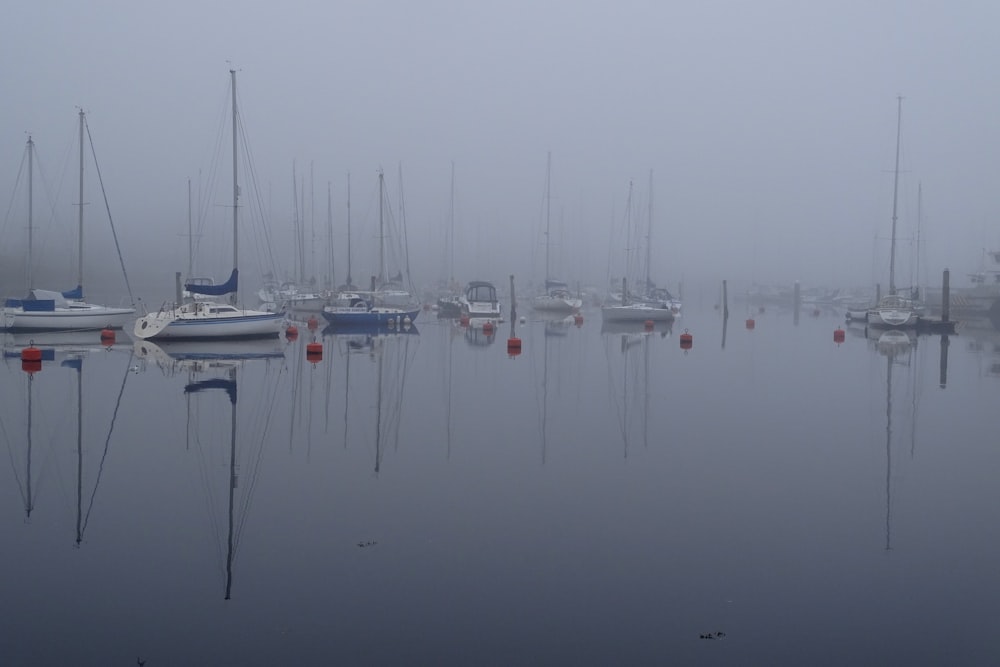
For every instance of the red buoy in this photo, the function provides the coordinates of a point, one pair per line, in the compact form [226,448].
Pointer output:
[107,336]
[648,324]
[292,332]
[464,320]
[838,335]
[488,328]
[31,360]
[513,346]
[750,323]
[687,340]
[312,323]
[578,320]
[314,352]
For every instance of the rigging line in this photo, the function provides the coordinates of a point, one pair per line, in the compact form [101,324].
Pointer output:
[254,196]
[107,441]
[13,192]
[107,206]
[10,454]
[255,469]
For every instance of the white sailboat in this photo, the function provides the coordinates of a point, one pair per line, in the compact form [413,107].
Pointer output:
[204,318]
[644,308]
[557,297]
[48,310]
[894,311]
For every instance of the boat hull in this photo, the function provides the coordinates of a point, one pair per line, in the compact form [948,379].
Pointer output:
[171,325]
[355,317]
[85,317]
[555,304]
[636,313]
[892,318]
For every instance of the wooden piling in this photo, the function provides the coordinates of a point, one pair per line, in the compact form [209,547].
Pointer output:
[945,296]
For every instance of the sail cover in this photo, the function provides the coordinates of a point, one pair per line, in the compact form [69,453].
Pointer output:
[228,287]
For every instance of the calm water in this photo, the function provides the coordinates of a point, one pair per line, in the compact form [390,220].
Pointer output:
[604,498]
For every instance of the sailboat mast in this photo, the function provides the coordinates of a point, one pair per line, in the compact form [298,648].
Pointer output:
[329,234]
[79,259]
[895,192]
[349,229]
[451,230]
[649,234]
[190,236]
[381,227]
[548,210]
[236,188]
[31,172]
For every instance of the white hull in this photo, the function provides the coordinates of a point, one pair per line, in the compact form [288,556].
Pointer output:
[189,322]
[74,317]
[636,313]
[555,304]
[892,318]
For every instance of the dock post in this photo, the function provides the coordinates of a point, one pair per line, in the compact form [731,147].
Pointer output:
[946,296]
[513,300]
[725,300]
[796,302]
[943,379]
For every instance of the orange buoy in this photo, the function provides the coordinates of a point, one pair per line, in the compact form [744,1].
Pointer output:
[648,324]
[838,335]
[513,346]
[314,352]
[31,359]
[578,320]
[750,323]
[292,332]
[108,336]
[464,320]
[687,340]
[312,323]
[488,328]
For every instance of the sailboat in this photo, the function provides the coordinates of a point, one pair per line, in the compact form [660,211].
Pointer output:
[557,297]
[47,310]
[894,311]
[449,302]
[386,302]
[657,307]
[206,318]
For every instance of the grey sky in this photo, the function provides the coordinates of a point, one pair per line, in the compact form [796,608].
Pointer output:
[770,127]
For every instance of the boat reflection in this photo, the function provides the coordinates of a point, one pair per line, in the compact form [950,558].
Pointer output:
[631,363]
[200,356]
[62,351]
[898,347]
[390,351]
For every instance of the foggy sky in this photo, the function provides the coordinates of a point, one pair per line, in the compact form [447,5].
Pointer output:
[770,128]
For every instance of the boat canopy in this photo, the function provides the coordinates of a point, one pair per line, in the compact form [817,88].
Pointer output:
[227,287]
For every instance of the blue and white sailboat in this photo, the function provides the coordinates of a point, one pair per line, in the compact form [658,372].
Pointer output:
[50,310]
[202,317]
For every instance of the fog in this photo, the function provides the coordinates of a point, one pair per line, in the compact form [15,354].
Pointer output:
[769,129]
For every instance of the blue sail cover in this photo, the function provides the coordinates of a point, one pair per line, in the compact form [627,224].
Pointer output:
[75,293]
[228,287]
[215,383]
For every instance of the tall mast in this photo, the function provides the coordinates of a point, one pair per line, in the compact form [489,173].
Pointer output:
[451,230]
[79,259]
[381,227]
[329,234]
[349,229]
[548,209]
[895,191]
[31,170]
[236,189]
[649,234]
[190,236]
